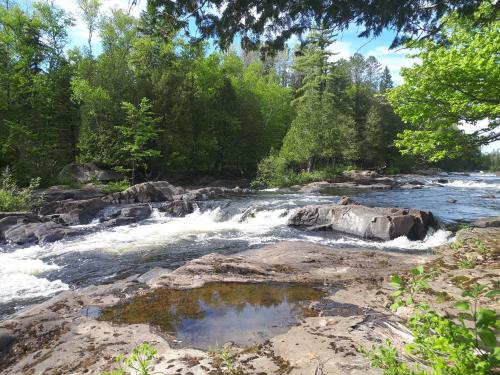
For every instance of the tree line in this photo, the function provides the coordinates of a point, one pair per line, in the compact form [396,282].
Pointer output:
[153,103]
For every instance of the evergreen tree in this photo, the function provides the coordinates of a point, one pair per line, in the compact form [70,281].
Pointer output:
[385,81]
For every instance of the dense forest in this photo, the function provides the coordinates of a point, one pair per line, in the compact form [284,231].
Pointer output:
[154,103]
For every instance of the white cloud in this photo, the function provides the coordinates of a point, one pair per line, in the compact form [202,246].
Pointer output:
[341,50]
[78,33]
[393,59]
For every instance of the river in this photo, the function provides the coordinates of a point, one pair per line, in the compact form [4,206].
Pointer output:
[30,274]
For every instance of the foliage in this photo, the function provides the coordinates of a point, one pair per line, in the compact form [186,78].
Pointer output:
[273,23]
[456,83]
[139,133]
[406,289]
[14,198]
[465,344]
[137,363]
[115,187]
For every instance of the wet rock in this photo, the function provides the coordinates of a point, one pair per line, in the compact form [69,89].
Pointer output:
[178,208]
[6,343]
[442,181]
[72,212]
[367,222]
[147,192]
[345,201]
[451,201]
[360,175]
[59,193]
[487,222]
[38,232]
[8,222]
[128,215]
[88,172]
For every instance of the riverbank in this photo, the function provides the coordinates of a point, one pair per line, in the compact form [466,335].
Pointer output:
[65,335]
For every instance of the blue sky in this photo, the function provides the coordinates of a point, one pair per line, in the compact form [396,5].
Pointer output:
[348,43]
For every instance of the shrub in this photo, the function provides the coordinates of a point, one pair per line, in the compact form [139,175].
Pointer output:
[115,187]
[14,198]
[137,363]
[465,344]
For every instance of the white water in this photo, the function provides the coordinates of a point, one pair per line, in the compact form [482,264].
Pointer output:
[472,184]
[19,278]
[21,270]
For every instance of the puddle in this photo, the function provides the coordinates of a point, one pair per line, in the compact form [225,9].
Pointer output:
[217,313]
[91,311]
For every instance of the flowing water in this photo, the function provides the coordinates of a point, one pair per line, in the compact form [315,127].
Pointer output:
[31,273]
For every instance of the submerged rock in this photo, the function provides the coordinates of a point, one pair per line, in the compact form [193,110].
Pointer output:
[367,222]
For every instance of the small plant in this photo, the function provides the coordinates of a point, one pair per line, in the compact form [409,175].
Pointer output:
[13,197]
[465,345]
[115,187]
[481,247]
[137,363]
[466,263]
[457,245]
[406,289]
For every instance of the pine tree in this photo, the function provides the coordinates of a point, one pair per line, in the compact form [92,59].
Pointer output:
[385,81]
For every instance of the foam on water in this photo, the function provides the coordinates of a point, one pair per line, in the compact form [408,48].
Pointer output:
[19,276]
[433,239]
[473,184]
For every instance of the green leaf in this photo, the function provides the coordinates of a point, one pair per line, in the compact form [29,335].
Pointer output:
[396,281]
[462,305]
[492,293]
[397,293]
[418,270]
[487,337]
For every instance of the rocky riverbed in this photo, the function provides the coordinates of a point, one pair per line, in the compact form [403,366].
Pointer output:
[67,335]
[275,281]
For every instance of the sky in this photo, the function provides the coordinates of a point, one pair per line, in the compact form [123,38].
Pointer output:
[346,45]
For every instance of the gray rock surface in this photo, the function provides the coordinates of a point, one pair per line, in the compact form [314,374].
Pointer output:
[60,193]
[178,208]
[72,212]
[128,215]
[147,192]
[38,232]
[366,222]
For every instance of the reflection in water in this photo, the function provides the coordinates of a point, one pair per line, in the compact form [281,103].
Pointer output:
[219,312]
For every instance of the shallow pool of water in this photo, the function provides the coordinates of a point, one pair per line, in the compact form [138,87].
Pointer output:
[217,313]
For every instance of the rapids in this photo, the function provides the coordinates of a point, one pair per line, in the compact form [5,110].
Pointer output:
[30,274]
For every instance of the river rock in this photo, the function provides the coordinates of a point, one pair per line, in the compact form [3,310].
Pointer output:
[487,222]
[59,193]
[178,208]
[88,172]
[345,201]
[72,212]
[147,192]
[38,232]
[367,222]
[128,215]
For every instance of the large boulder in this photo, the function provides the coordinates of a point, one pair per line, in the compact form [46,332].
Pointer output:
[367,222]
[72,212]
[7,222]
[60,193]
[147,192]
[88,172]
[38,232]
